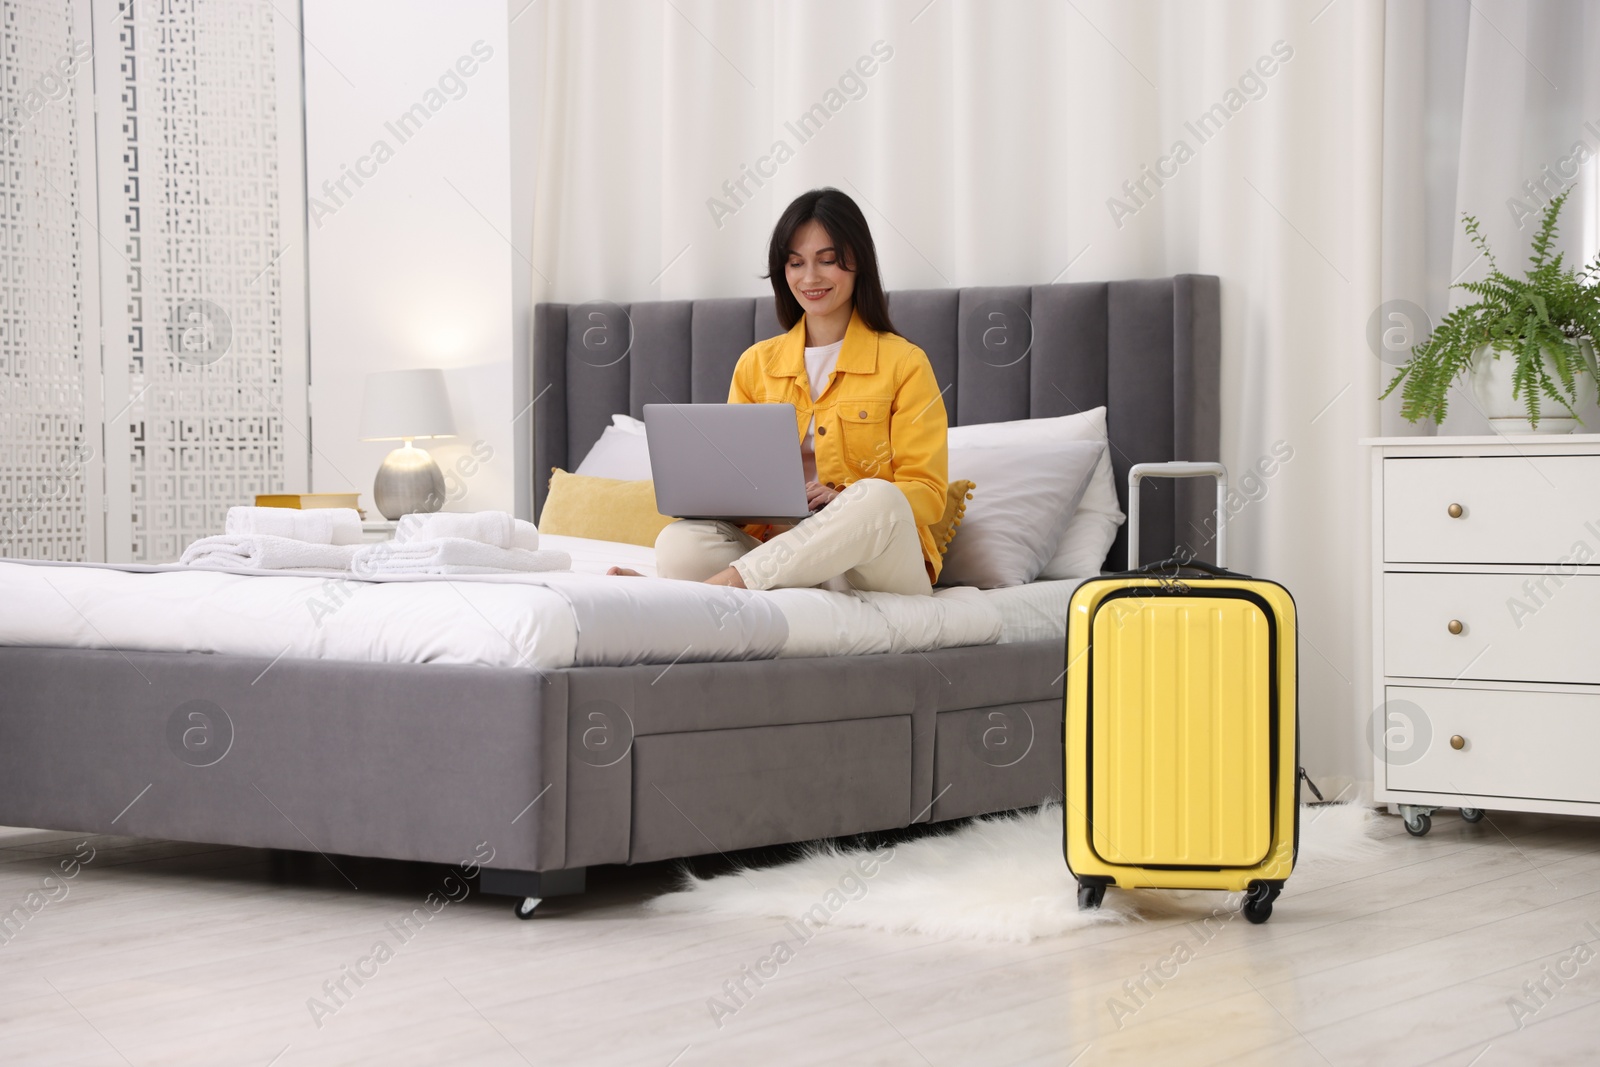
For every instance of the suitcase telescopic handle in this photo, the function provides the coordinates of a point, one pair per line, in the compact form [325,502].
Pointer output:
[1179,469]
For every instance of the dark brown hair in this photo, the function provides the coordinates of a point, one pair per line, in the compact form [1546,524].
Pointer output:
[847,229]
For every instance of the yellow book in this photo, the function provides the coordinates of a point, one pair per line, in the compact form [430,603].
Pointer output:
[307,500]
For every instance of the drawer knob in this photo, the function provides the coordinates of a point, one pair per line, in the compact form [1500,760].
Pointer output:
[1454,511]
[1458,742]
[1454,626]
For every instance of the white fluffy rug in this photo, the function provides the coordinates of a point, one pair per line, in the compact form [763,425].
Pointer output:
[1000,879]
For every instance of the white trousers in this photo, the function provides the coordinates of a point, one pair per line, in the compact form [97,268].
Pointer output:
[866,533]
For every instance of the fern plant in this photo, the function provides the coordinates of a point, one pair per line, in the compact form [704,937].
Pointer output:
[1533,319]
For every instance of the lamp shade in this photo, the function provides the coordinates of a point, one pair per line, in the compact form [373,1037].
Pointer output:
[404,404]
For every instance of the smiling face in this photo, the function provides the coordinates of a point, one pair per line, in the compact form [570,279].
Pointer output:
[816,275]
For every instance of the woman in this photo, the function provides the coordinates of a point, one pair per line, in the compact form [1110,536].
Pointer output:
[870,417]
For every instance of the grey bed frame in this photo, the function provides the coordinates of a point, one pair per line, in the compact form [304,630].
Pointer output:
[556,771]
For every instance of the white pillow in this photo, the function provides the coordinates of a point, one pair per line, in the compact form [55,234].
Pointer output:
[1025,496]
[1088,535]
[629,424]
[620,453]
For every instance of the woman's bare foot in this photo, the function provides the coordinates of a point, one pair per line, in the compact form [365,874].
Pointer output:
[728,576]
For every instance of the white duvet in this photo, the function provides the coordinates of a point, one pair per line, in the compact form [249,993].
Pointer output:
[543,620]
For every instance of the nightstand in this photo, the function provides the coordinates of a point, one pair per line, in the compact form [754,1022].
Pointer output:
[1486,607]
[382,530]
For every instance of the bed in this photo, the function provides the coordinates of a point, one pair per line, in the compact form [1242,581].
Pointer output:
[534,771]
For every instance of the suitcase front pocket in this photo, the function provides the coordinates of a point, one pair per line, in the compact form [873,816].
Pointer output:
[1182,705]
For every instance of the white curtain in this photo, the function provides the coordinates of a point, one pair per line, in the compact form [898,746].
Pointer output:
[990,144]
[1490,109]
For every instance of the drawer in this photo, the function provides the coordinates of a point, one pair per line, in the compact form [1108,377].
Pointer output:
[762,785]
[1514,627]
[1513,509]
[998,757]
[1535,745]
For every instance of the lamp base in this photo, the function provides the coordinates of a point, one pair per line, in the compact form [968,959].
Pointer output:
[408,482]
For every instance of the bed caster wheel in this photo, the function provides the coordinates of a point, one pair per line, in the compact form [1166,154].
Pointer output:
[1090,896]
[1419,824]
[1258,902]
[524,907]
[1471,814]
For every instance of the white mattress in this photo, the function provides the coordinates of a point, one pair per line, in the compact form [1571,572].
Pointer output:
[535,620]
[1033,612]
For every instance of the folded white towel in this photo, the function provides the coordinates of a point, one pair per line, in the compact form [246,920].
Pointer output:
[264,552]
[322,526]
[490,527]
[454,555]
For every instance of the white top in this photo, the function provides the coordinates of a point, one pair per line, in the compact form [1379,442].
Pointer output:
[1534,442]
[820,362]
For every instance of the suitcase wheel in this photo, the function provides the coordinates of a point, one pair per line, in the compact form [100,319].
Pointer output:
[1258,901]
[1090,896]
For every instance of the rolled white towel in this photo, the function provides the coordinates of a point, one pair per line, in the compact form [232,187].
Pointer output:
[265,552]
[454,555]
[489,527]
[322,526]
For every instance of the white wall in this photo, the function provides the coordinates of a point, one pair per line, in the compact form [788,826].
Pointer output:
[412,268]
[527,45]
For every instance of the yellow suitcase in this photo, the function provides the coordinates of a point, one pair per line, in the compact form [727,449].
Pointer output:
[1180,737]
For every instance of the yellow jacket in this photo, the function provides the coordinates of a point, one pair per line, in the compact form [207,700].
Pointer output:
[881,416]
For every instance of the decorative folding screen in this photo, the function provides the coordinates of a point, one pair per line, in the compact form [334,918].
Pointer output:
[197,301]
[49,470]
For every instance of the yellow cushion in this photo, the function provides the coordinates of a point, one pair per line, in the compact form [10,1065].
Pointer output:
[955,506]
[605,509]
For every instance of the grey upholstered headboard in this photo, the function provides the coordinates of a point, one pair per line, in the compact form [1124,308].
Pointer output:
[1147,349]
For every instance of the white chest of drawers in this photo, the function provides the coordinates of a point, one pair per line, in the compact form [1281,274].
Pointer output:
[1486,624]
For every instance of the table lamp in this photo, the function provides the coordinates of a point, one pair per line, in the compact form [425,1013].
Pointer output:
[407,405]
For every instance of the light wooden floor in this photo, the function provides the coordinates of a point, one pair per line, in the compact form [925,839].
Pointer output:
[162,953]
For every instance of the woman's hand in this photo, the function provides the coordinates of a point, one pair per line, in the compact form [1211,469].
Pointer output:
[818,496]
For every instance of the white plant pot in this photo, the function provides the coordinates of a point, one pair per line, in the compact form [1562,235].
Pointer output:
[1492,385]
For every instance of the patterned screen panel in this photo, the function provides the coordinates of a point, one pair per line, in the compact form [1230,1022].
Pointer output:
[46,450]
[201,248]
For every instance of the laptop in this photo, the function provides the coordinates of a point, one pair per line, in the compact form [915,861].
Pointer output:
[735,462]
